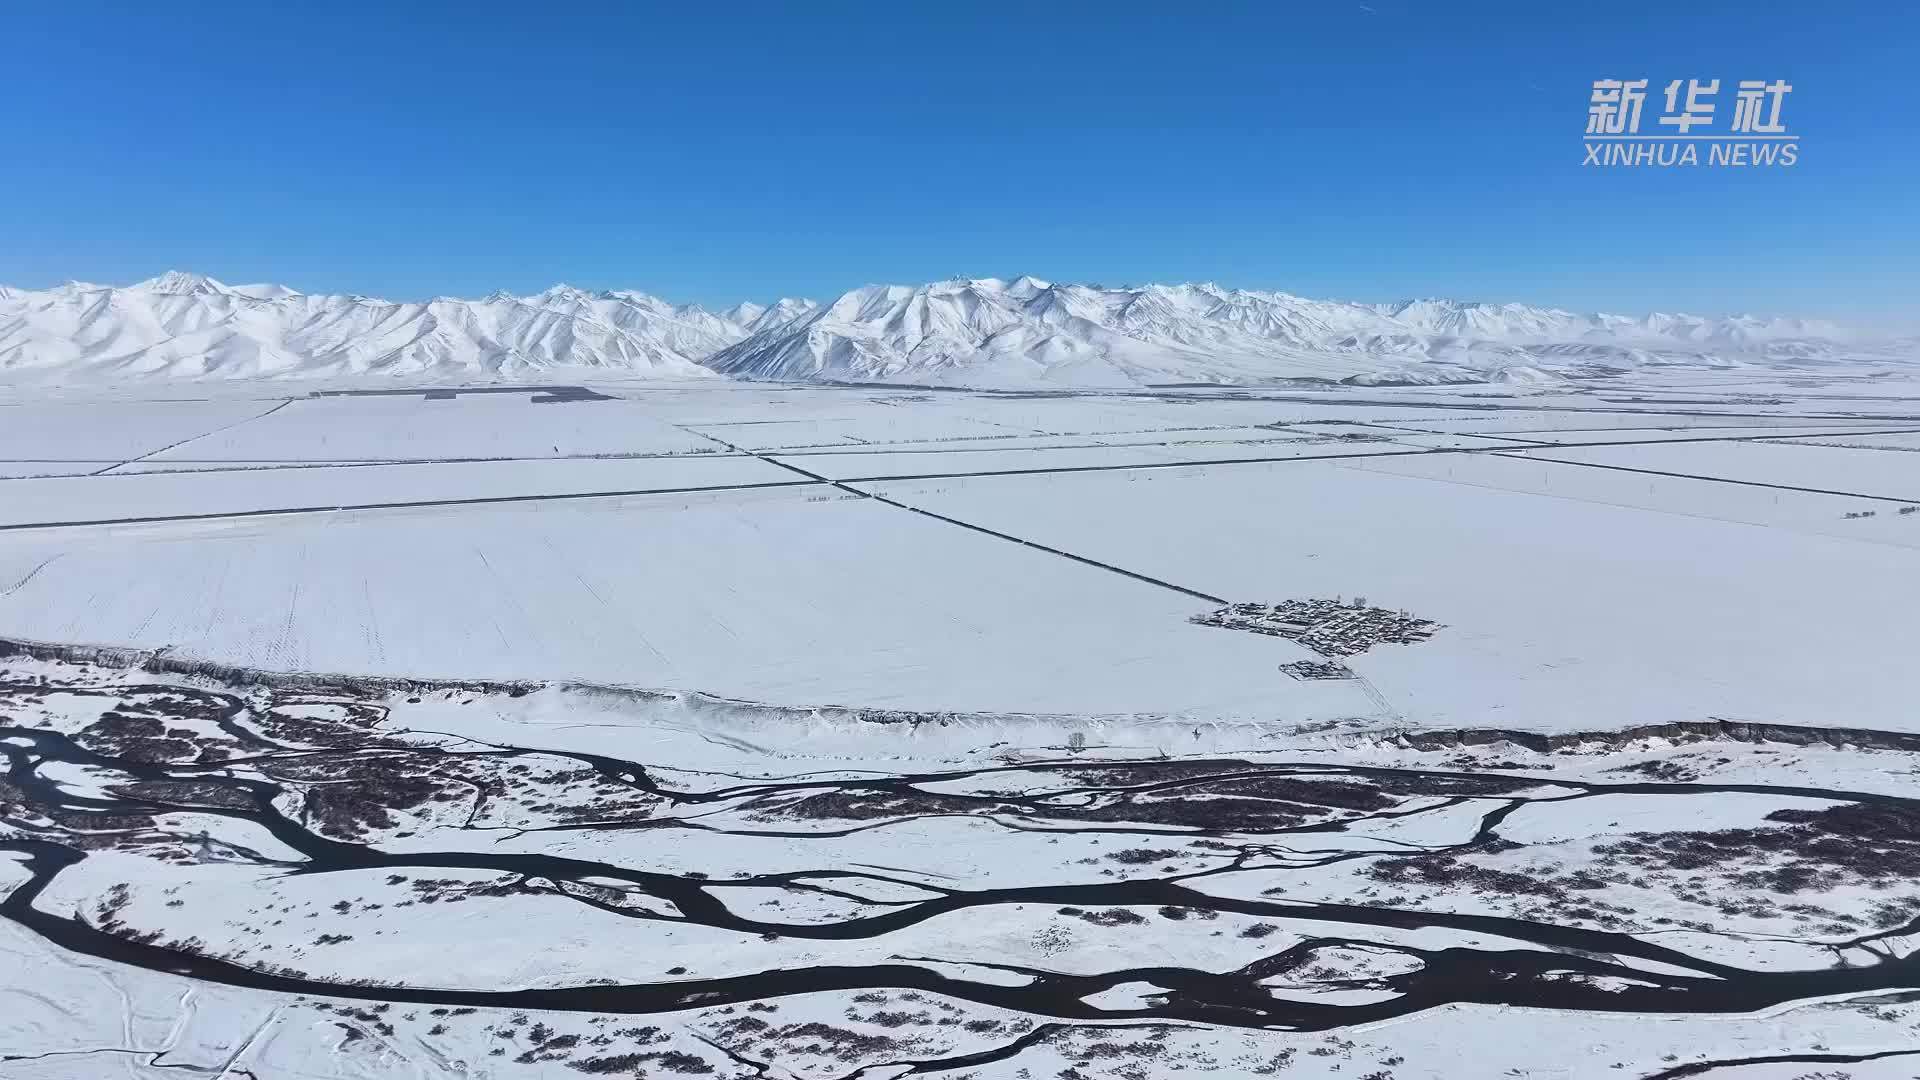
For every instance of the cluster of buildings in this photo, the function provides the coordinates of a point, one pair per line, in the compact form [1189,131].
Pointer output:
[1329,627]
[1317,669]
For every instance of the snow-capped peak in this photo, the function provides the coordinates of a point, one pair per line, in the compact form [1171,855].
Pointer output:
[1026,288]
[563,294]
[782,312]
[744,313]
[181,283]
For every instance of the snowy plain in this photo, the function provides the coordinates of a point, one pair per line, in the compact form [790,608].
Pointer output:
[989,552]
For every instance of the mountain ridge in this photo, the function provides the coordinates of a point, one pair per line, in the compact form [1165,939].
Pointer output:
[959,331]
[986,331]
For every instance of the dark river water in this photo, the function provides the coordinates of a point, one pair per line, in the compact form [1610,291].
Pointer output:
[1561,961]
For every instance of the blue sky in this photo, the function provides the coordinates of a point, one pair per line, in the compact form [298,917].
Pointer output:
[721,151]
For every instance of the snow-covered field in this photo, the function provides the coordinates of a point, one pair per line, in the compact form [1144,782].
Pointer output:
[993,552]
[870,732]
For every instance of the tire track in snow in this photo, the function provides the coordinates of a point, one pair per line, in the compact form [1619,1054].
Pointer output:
[847,486]
[193,438]
[815,479]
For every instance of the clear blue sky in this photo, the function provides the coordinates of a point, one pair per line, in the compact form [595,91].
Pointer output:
[719,151]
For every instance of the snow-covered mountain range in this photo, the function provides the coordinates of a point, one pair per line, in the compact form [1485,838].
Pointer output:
[978,332]
[993,332]
[189,325]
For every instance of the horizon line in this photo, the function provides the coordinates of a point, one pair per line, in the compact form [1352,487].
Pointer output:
[1853,321]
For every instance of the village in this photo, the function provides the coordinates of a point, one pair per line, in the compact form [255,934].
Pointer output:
[1331,628]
